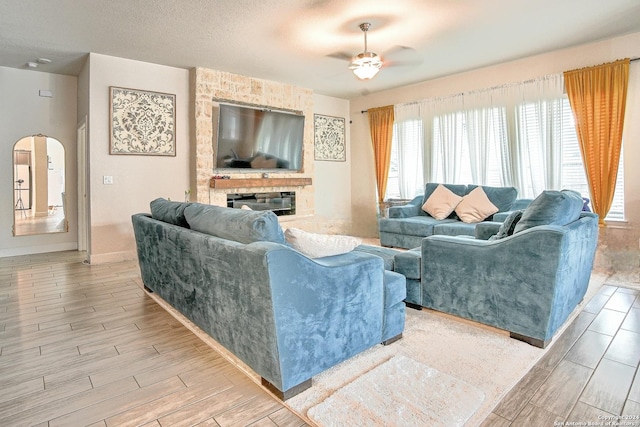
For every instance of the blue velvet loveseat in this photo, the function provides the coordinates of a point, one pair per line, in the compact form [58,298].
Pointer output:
[287,316]
[407,225]
[526,279]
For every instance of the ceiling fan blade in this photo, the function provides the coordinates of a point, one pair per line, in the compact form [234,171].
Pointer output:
[340,55]
[402,56]
[407,63]
[399,49]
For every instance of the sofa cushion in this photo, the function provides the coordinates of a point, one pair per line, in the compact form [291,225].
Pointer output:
[240,225]
[508,227]
[441,202]
[167,211]
[415,226]
[387,254]
[475,207]
[455,228]
[409,263]
[316,245]
[502,197]
[551,208]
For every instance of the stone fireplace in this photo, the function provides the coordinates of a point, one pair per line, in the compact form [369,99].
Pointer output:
[210,87]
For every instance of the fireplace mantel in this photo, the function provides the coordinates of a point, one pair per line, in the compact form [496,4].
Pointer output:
[259,182]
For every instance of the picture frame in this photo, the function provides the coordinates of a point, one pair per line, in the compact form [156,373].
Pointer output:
[141,122]
[329,138]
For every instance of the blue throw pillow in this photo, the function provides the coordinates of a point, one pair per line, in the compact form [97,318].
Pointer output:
[244,226]
[509,225]
[167,211]
[551,208]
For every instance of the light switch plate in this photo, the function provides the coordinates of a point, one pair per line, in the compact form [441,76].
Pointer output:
[107,180]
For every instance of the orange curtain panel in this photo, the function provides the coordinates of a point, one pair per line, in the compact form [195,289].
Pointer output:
[381,128]
[598,97]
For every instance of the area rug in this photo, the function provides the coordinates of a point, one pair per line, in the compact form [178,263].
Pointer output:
[376,395]
[483,357]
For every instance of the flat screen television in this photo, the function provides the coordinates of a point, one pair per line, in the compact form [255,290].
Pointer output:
[253,138]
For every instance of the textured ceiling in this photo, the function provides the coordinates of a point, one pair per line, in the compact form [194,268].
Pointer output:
[301,41]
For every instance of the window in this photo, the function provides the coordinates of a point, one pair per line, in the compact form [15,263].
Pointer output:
[541,151]
[573,173]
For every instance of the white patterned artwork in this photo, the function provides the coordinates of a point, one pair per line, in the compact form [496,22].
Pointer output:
[329,138]
[142,122]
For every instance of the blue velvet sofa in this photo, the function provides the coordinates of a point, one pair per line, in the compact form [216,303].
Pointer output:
[527,278]
[407,225]
[288,317]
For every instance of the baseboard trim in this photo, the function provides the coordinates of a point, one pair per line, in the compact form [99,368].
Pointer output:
[38,249]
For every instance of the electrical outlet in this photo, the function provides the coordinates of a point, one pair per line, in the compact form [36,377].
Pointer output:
[107,180]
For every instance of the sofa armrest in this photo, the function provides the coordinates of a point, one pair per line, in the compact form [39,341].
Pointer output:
[485,229]
[325,310]
[413,208]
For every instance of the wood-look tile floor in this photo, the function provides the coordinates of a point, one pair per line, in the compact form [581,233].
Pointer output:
[85,345]
[589,376]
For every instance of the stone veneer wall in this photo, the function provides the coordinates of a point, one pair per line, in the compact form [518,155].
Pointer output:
[208,85]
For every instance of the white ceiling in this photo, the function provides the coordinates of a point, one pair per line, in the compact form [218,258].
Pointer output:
[296,41]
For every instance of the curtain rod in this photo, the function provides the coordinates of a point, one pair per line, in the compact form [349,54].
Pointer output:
[527,81]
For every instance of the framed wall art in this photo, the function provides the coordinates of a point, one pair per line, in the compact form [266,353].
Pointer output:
[329,138]
[142,122]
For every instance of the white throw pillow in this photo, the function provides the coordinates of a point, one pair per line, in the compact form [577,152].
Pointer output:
[319,245]
[475,207]
[441,202]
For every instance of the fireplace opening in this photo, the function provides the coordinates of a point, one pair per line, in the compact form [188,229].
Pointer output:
[279,202]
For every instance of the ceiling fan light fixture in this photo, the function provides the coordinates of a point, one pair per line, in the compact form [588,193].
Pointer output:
[366,65]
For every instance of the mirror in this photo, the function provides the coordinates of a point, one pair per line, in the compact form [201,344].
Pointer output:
[39,186]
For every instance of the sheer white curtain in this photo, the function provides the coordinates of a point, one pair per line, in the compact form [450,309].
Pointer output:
[410,142]
[444,137]
[508,135]
[536,147]
[487,138]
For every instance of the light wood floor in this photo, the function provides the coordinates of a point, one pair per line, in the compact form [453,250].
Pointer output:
[85,345]
[589,376]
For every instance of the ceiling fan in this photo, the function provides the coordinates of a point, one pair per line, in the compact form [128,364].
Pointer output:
[365,65]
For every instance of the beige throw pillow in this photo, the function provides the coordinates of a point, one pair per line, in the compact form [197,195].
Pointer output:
[475,206]
[441,202]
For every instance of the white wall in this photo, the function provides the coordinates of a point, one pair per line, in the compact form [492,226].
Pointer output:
[620,240]
[332,180]
[137,179]
[23,112]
